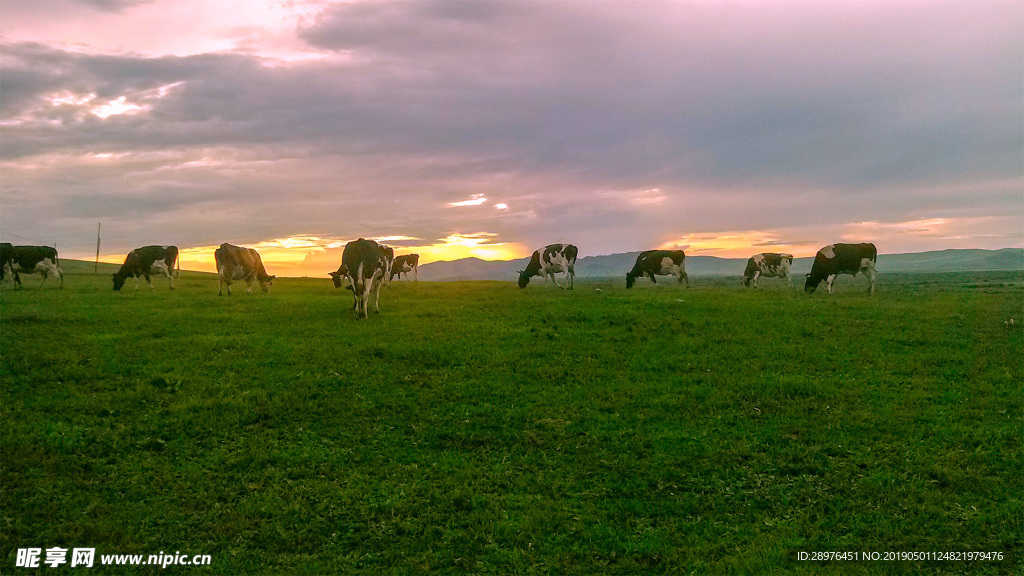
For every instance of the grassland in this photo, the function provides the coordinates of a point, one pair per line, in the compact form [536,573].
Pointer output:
[477,428]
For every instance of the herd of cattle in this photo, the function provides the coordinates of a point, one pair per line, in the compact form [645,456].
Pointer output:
[366,265]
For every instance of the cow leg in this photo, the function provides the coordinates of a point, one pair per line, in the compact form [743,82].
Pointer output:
[571,276]
[376,298]
[222,282]
[869,270]
[756,276]
[167,270]
[365,304]
[17,278]
[551,275]
[136,276]
[149,281]
[830,281]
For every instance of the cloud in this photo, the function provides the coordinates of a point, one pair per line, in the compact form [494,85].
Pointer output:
[474,200]
[612,125]
[114,5]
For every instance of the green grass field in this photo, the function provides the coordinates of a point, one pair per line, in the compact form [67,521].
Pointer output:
[478,428]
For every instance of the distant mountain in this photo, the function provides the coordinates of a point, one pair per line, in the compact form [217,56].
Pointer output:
[612,265]
[953,260]
[472,269]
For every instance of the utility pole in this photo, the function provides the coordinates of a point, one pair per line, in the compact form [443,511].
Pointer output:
[96,265]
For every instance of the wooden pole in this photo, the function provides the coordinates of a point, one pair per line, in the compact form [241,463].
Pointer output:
[96,265]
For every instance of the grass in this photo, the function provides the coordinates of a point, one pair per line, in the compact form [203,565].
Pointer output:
[474,427]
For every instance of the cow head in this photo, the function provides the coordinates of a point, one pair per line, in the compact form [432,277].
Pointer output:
[811,284]
[524,278]
[630,279]
[745,280]
[339,276]
[267,282]
[118,281]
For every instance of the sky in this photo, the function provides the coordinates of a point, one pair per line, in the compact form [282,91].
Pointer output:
[491,128]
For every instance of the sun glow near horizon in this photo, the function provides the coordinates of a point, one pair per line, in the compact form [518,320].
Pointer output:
[312,255]
[738,244]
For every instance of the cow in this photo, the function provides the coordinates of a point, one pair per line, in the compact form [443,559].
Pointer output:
[389,258]
[365,266]
[146,260]
[553,258]
[404,264]
[32,259]
[653,263]
[836,259]
[6,259]
[770,265]
[237,263]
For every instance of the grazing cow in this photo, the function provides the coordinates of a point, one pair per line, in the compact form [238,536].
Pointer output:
[836,259]
[32,259]
[365,265]
[237,263]
[768,264]
[404,264]
[6,259]
[653,263]
[554,258]
[146,260]
[389,258]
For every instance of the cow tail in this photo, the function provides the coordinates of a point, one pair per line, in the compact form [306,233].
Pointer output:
[177,272]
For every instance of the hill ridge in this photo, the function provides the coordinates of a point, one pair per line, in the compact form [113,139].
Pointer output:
[611,265]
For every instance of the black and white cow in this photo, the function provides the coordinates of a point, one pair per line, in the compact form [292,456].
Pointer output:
[6,259]
[404,264]
[148,260]
[653,263]
[553,258]
[770,265]
[836,259]
[365,265]
[237,263]
[32,259]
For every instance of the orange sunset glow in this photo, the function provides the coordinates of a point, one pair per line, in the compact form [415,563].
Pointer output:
[306,255]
